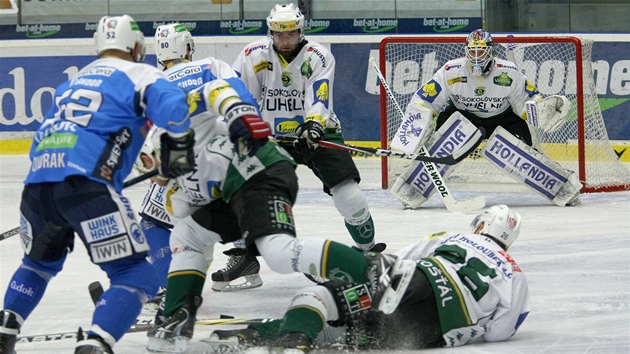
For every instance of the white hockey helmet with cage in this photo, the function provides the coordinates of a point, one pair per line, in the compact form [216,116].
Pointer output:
[172,41]
[499,222]
[479,51]
[285,18]
[120,33]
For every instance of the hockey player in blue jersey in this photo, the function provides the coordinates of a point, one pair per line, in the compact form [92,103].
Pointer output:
[84,149]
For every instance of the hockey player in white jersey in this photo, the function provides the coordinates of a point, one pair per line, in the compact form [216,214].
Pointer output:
[448,289]
[491,93]
[248,191]
[174,47]
[84,149]
[292,79]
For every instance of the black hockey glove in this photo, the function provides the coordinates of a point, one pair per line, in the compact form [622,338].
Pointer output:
[248,131]
[176,154]
[309,134]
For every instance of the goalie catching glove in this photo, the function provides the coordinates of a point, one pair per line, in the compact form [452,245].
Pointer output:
[176,154]
[549,113]
[248,131]
[309,135]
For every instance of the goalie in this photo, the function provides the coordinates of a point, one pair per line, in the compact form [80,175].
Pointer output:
[491,93]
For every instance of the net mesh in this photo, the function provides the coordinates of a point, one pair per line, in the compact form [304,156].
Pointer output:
[551,67]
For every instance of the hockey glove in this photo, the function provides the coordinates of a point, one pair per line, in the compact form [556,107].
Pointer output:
[177,155]
[309,135]
[248,131]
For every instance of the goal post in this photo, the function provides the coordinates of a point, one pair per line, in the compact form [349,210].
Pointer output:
[556,65]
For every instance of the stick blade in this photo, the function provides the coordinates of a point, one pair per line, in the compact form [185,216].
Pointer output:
[470,145]
[96,290]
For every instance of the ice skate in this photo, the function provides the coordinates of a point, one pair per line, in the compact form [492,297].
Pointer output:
[233,340]
[93,345]
[173,335]
[241,266]
[9,329]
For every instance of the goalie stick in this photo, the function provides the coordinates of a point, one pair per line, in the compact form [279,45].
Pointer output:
[451,159]
[450,203]
[129,183]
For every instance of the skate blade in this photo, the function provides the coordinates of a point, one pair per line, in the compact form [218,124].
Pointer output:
[172,345]
[251,281]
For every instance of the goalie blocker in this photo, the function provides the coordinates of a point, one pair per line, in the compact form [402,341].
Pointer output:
[529,166]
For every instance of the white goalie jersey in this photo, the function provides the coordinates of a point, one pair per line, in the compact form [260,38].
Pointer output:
[289,93]
[480,291]
[485,96]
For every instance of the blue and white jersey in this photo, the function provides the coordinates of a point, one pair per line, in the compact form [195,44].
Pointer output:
[96,126]
[192,75]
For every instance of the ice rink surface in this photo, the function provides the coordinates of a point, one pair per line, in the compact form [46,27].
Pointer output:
[577,262]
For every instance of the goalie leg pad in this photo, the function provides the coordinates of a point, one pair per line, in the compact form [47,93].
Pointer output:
[415,129]
[415,185]
[530,167]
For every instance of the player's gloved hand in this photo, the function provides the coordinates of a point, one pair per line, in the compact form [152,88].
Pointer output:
[309,135]
[176,154]
[248,131]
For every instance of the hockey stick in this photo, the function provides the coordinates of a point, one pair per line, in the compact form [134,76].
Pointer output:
[129,183]
[452,159]
[450,203]
[139,326]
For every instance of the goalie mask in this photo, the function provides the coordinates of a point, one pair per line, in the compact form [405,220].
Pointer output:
[285,18]
[173,41]
[499,222]
[120,33]
[479,48]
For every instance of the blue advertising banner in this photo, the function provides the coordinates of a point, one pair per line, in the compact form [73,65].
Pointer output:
[27,84]
[252,27]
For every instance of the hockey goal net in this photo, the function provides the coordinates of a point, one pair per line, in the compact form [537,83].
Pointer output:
[555,65]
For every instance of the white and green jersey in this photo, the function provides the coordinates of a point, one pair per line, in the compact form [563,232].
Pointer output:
[223,171]
[289,93]
[503,87]
[480,291]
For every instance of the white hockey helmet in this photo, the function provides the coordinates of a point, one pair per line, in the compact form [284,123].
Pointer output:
[172,41]
[285,18]
[479,51]
[121,33]
[499,222]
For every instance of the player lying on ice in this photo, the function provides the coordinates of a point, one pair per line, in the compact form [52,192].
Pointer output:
[448,289]
[491,93]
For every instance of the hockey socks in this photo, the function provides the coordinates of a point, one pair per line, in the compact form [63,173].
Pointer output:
[340,262]
[115,312]
[179,286]
[25,290]
[362,234]
[160,252]
[304,320]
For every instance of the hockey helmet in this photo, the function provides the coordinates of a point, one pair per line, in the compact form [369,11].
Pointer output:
[479,51]
[172,41]
[120,33]
[499,222]
[148,149]
[285,18]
